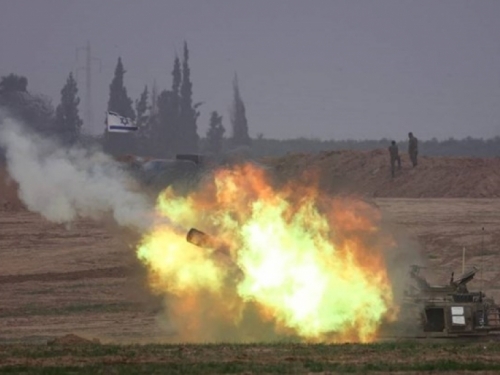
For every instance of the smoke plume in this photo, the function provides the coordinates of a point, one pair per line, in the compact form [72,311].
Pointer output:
[63,183]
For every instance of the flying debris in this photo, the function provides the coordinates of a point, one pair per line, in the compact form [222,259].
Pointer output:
[203,240]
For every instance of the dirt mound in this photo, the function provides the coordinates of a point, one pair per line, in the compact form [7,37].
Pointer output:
[72,339]
[368,173]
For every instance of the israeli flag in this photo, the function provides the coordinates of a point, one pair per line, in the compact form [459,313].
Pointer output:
[119,124]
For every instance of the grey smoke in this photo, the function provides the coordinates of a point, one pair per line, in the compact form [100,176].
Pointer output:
[63,184]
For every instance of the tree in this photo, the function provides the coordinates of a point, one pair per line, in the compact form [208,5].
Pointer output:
[238,118]
[12,89]
[168,127]
[165,123]
[68,121]
[35,111]
[143,121]
[153,109]
[119,101]
[215,134]
[188,135]
[176,77]
[13,83]
[142,108]
[173,108]
[170,112]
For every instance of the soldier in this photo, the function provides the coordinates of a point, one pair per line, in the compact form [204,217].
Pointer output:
[394,154]
[413,148]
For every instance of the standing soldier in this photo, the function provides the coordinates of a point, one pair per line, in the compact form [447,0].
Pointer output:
[394,154]
[413,148]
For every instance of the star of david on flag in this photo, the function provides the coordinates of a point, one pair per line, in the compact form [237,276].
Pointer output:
[119,124]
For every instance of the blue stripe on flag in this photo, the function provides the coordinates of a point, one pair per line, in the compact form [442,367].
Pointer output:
[118,127]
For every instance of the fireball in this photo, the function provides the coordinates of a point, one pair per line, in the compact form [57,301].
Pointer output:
[295,260]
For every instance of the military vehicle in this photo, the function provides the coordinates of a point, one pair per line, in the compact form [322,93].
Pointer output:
[184,172]
[450,310]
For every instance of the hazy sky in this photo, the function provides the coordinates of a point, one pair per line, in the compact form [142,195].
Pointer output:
[323,68]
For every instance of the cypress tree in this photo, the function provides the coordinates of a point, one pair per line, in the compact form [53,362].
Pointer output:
[153,110]
[238,118]
[188,136]
[172,102]
[165,124]
[142,107]
[119,101]
[165,128]
[215,134]
[176,76]
[68,121]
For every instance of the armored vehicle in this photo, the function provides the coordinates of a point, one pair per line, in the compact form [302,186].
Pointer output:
[450,311]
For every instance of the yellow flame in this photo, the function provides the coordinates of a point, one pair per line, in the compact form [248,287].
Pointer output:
[314,266]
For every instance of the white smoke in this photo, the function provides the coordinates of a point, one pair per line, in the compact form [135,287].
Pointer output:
[63,184]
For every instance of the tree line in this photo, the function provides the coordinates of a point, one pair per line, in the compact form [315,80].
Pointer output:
[167,122]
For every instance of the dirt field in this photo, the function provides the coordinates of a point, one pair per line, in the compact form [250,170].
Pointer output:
[368,173]
[84,279]
[81,279]
[444,227]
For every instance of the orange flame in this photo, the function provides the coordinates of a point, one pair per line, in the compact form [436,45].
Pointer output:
[305,263]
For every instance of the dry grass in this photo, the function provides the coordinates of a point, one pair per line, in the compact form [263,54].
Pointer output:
[403,357]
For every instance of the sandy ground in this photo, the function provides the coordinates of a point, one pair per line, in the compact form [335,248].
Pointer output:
[56,279]
[84,279]
[444,227]
[368,173]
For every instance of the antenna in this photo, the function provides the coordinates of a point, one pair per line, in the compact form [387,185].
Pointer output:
[88,114]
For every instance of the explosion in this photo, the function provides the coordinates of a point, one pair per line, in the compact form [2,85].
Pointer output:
[290,259]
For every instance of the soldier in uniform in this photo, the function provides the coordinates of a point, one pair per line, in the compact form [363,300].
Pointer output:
[413,148]
[394,154]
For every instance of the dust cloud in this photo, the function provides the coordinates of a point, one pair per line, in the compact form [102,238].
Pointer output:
[63,184]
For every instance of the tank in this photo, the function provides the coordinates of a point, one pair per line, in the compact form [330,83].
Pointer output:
[449,310]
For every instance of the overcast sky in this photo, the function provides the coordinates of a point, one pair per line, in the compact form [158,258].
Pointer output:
[324,68]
